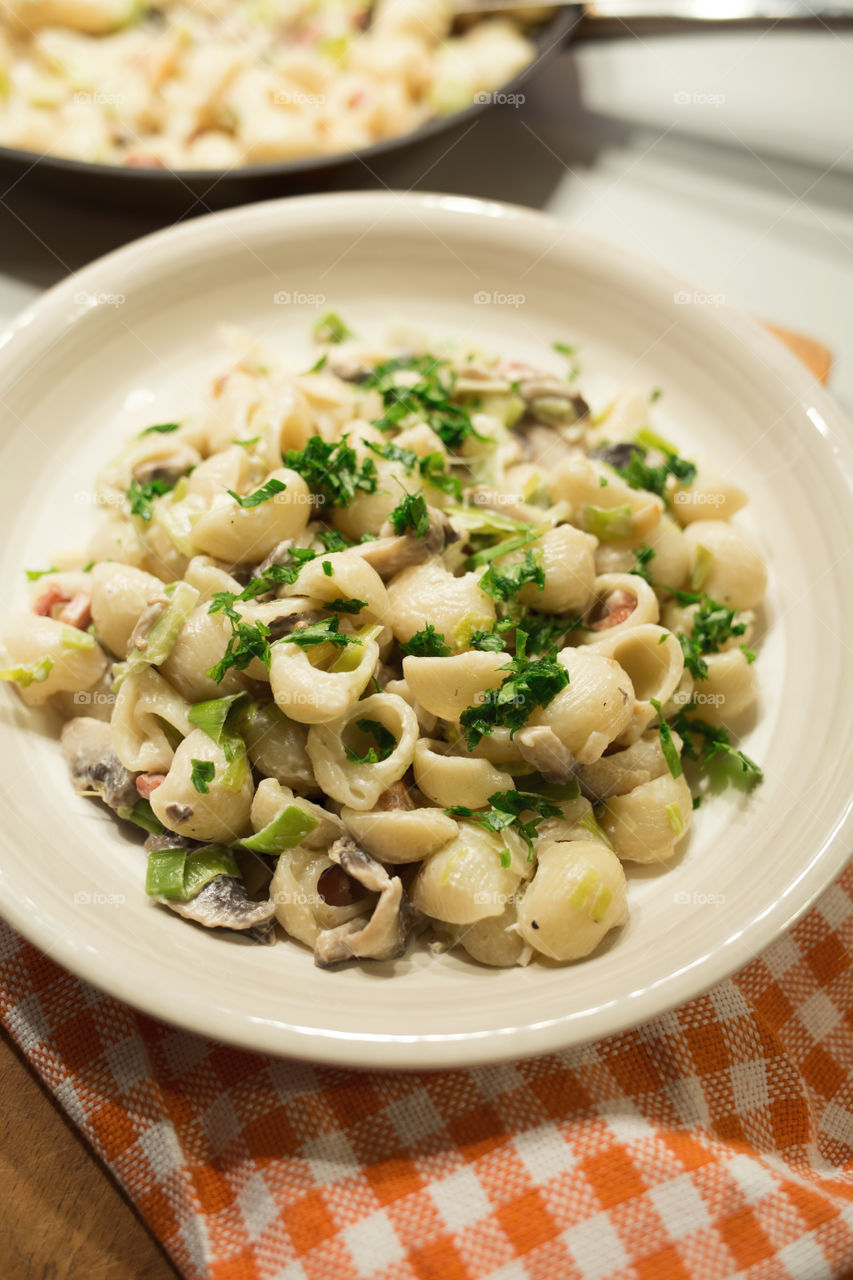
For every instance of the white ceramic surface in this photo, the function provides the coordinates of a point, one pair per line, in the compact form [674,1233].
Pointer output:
[130,340]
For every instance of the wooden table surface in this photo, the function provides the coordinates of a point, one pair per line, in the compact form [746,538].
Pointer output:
[61,1214]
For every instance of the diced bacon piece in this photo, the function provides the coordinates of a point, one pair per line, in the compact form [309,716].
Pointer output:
[148,782]
[78,612]
[49,598]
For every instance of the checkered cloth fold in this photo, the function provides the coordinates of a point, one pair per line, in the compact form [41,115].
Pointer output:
[716,1141]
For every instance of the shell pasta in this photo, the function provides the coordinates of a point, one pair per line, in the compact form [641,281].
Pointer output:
[412,644]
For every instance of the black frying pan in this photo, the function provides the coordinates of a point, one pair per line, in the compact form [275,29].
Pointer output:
[176,191]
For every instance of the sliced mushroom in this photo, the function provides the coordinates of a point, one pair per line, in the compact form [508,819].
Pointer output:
[278,555]
[619,454]
[382,937]
[540,746]
[87,745]
[621,771]
[541,445]
[169,465]
[224,904]
[391,553]
[397,796]
[549,399]
[145,621]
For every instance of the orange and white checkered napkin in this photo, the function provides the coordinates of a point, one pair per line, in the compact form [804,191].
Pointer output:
[716,1141]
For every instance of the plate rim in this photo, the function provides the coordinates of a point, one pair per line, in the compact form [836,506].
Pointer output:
[58,309]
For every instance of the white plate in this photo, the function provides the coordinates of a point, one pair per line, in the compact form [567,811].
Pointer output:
[129,341]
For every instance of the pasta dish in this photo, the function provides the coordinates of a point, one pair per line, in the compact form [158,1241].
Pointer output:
[217,84]
[410,643]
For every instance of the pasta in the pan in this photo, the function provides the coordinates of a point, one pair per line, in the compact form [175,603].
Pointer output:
[411,643]
[181,85]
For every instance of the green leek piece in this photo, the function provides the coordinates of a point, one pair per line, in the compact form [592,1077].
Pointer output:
[142,815]
[286,831]
[29,673]
[608,523]
[75,641]
[212,714]
[182,874]
[164,632]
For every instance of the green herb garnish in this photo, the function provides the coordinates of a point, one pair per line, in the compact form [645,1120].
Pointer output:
[530,683]
[643,557]
[203,772]
[505,584]
[506,810]
[427,643]
[161,428]
[411,513]
[266,491]
[383,738]
[141,496]
[331,328]
[667,745]
[325,631]
[332,471]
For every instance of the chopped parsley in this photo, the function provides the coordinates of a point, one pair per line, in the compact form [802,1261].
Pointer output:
[395,453]
[332,471]
[487,641]
[319,364]
[347,606]
[434,472]
[141,496]
[529,683]
[266,491]
[640,474]
[33,575]
[160,428]
[331,328]
[546,631]
[412,514]
[506,584]
[248,640]
[383,738]
[429,399]
[328,568]
[643,557]
[506,810]
[203,772]
[705,742]
[323,632]
[712,625]
[570,353]
[427,643]
[667,745]
[334,541]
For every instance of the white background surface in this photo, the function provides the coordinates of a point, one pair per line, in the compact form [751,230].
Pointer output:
[746,186]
